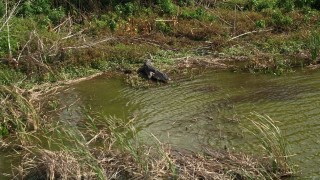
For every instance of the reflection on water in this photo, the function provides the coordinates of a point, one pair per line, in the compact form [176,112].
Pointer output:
[208,109]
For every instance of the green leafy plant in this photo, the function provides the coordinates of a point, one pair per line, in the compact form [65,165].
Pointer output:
[261,23]
[56,14]
[167,6]
[35,7]
[281,21]
[2,9]
[314,45]
[200,14]
[259,5]
[3,130]
[163,27]
[128,9]
[305,3]
[287,5]
[112,25]
[9,76]
[186,2]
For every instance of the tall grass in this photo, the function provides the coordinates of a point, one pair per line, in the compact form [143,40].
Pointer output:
[272,141]
[18,115]
[109,148]
[66,156]
[314,45]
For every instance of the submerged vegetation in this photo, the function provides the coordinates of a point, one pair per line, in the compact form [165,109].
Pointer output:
[49,41]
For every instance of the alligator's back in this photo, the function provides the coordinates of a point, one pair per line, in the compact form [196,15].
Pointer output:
[153,73]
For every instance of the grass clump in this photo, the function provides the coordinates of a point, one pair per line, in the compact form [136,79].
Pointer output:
[273,143]
[314,45]
[10,76]
[18,115]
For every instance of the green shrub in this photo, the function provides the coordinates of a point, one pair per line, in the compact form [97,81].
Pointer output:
[167,7]
[200,14]
[112,24]
[44,12]
[281,21]
[35,7]
[127,10]
[163,27]
[4,45]
[259,5]
[3,130]
[9,76]
[186,2]
[314,45]
[287,5]
[2,9]
[56,15]
[261,23]
[20,29]
[303,3]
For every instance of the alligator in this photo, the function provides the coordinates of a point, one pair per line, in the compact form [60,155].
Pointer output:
[152,73]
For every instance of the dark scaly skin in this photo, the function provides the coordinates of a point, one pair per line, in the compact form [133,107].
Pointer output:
[153,73]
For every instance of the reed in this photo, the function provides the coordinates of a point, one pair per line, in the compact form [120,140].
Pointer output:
[18,115]
[109,148]
[273,142]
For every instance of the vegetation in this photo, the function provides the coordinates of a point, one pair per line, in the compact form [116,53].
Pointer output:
[268,133]
[47,41]
[108,149]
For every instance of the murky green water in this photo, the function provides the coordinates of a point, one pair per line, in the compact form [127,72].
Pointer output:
[193,114]
[207,110]
[8,161]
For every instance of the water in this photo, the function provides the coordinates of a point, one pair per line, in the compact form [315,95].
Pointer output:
[211,109]
[7,162]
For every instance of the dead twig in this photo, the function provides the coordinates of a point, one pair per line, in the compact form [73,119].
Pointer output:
[61,24]
[90,44]
[25,45]
[250,32]
[9,16]
[74,34]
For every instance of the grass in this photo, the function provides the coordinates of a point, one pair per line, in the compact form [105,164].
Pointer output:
[272,141]
[17,113]
[177,39]
[107,148]
[314,46]
[43,54]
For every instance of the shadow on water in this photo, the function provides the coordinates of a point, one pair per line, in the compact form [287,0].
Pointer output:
[208,110]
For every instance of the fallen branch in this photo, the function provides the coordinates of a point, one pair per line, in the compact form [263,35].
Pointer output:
[71,35]
[90,44]
[251,32]
[61,24]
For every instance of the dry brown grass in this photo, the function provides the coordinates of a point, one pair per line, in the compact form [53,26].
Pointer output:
[108,149]
[17,112]
[55,165]
[170,164]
